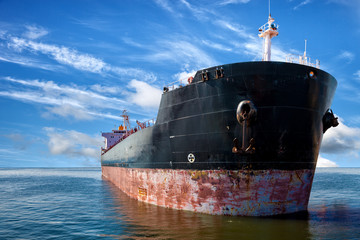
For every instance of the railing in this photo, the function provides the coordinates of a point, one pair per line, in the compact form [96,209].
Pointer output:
[304,60]
[178,83]
[141,125]
[264,27]
[145,124]
[174,85]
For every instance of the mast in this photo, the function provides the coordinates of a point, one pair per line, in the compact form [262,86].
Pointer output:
[268,31]
[125,116]
[304,59]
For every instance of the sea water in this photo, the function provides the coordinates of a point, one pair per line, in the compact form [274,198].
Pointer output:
[76,203]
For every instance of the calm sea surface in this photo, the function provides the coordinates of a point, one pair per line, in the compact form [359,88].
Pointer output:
[76,203]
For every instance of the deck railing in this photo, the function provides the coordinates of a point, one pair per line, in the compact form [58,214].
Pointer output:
[304,60]
[142,125]
[174,85]
[264,27]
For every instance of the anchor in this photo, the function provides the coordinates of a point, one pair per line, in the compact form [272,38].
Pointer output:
[246,116]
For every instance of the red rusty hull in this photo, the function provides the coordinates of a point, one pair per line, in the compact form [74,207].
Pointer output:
[218,192]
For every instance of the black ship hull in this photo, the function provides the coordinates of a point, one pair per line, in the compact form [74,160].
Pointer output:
[197,130]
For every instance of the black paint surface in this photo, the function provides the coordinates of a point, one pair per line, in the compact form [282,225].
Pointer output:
[200,118]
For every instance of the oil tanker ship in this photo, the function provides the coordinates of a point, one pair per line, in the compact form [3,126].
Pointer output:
[237,139]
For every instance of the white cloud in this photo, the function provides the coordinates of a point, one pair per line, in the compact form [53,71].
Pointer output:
[252,48]
[28,62]
[131,72]
[105,89]
[80,96]
[73,143]
[182,77]
[278,54]
[80,93]
[189,54]
[61,54]
[165,5]
[79,102]
[238,29]
[73,58]
[97,24]
[341,140]
[347,56]
[68,110]
[34,32]
[252,45]
[62,100]
[3,34]
[30,96]
[7,151]
[131,42]
[226,2]
[181,52]
[303,3]
[357,74]
[216,45]
[323,162]
[145,95]
[201,14]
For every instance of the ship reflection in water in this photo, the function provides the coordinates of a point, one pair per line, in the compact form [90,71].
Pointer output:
[337,221]
[333,214]
[145,220]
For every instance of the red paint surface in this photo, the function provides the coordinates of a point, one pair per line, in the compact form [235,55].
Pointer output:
[228,192]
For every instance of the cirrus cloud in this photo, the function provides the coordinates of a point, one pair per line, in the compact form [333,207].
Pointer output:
[227,2]
[65,56]
[63,100]
[347,56]
[61,54]
[357,75]
[82,102]
[35,32]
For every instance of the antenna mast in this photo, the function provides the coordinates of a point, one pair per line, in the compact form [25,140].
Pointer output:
[127,126]
[268,31]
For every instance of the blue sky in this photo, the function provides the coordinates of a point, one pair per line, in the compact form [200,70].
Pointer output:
[69,68]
